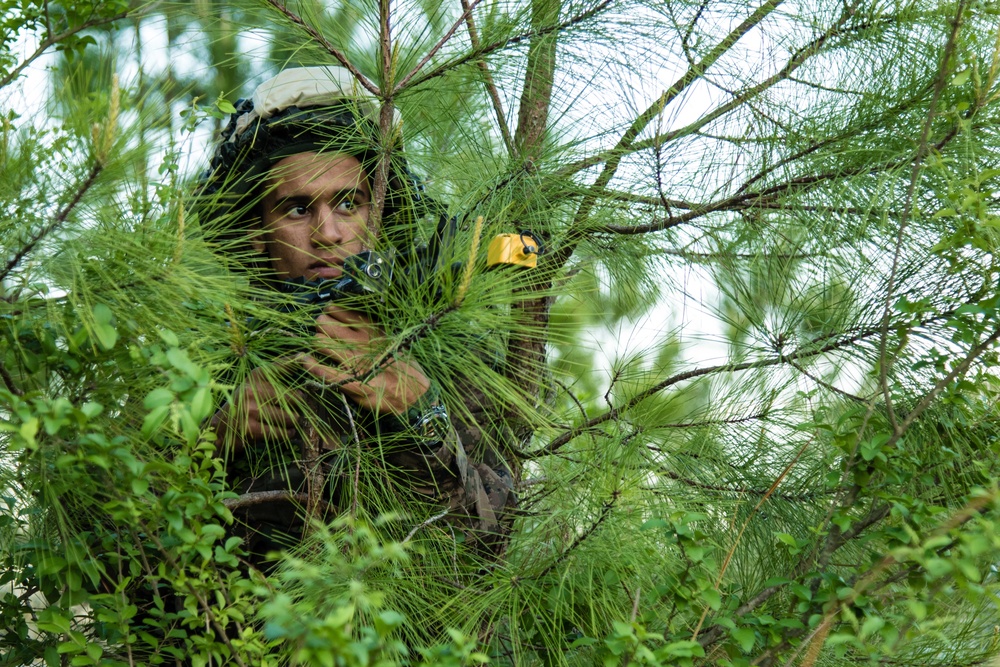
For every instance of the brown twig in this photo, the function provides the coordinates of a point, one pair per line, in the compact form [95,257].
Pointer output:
[327,46]
[491,87]
[477,54]
[261,497]
[312,465]
[424,524]
[715,422]
[357,466]
[386,124]
[8,380]
[60,218]
[922,151]
[464,18]
[739,536]
[692,74]
[580,539]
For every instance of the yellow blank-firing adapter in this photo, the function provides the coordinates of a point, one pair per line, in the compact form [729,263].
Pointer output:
[514,250]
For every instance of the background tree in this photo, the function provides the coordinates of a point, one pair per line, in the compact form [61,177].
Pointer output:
[799,469]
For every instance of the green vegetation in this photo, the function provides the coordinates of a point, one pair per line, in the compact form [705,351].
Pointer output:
[800,468]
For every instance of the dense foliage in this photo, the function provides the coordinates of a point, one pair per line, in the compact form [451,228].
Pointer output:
[799,467]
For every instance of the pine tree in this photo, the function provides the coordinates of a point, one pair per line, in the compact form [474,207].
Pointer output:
[800,468]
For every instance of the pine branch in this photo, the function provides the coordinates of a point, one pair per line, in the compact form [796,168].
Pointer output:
[583,537]
[614,413]
[312,464]
[466,17]
[53,224]
[716,422]
[769,195]
[477,54]
[837,539]
[827,385]
[491,87]
[666,202]
[327,46]
[737,490]
[922,151]
[887,116]
[725,255]
[642,120]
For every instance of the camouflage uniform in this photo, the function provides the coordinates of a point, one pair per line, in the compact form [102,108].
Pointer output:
[459,469]
[463,474]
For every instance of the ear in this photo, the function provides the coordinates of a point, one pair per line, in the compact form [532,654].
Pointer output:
[257,243]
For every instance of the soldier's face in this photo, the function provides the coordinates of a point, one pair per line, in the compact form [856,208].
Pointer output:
[314,215]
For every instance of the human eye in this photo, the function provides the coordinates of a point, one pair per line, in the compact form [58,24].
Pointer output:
[296,211]
[352,202]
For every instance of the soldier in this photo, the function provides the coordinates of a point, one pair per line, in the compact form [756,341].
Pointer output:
[295,174]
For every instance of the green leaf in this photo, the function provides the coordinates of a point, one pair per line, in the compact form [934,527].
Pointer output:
[787,539]
[154,420]
[387,621]
[29,429]
[158,398]
[201,404]
[104,329]
[712,598]
[169,337]
[938,567]
[140,486]
[746,638]
[91,409]
[683,649]
[872,625]
[962,77]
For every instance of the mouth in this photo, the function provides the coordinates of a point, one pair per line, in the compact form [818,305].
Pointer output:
[326,269]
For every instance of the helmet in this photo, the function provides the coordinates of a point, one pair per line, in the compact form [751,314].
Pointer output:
[304,109]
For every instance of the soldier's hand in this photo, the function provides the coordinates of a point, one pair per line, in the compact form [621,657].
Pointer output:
[256,413]
[349,340]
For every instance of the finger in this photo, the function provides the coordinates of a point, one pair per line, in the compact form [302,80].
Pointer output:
[354,364]
[338,331]
[341,314]
[264,379]
[326,373]
[273,414]
[264,431]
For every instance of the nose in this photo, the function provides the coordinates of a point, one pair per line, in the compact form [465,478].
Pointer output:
[331,230]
